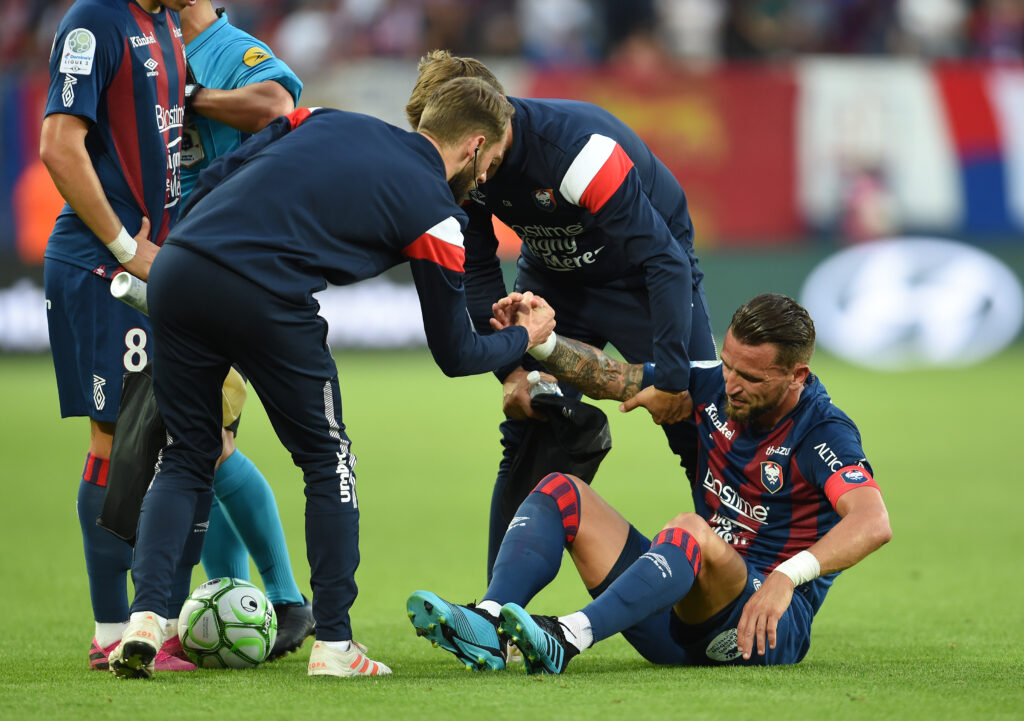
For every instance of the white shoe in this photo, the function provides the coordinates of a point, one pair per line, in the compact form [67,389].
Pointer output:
[324,661]
[140,644]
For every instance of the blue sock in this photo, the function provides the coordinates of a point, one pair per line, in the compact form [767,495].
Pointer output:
[531,552]
[655,581]
[107,557]
[247,500]
[224,554]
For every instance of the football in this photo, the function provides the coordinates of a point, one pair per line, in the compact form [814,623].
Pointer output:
[227,623]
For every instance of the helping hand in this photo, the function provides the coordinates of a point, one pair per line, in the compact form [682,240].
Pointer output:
[665,407]
[515,392]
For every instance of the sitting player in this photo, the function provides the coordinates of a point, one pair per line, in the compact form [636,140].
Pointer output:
[784,500]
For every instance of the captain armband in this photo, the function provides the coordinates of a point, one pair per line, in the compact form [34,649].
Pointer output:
[123,246]
[801,568]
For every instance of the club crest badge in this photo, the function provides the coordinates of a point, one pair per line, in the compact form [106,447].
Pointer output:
[544,198]
[771,476]
[854,476]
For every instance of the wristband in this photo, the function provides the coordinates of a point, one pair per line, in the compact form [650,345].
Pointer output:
[801,568]
[542,351]
[123,246]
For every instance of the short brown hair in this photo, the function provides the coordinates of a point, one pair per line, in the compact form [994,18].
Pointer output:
[463,106]
[779,320]
[436,68]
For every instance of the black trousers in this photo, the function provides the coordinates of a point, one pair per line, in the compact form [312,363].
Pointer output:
[206,317]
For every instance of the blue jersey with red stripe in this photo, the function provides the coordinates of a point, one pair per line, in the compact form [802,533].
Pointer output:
[333,196]
[772,493]
[593,207]
[122,69]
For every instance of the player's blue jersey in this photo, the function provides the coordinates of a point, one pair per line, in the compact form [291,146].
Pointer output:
[225,57]
[371,196]
[593,207]
[771,494]
[122,69]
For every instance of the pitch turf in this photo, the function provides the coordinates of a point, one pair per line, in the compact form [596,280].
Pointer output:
[931,627]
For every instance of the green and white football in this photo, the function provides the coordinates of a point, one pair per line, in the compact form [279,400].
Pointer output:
[227,623]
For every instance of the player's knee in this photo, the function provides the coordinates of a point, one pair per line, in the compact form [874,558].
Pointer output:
[693,524]
[564,489]
[685,531]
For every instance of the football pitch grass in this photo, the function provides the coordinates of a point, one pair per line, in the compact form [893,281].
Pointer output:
[930,627]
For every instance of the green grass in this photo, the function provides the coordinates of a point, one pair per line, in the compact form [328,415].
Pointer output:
[931,626]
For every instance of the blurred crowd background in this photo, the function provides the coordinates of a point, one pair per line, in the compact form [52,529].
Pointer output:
[312,33]
[801,130]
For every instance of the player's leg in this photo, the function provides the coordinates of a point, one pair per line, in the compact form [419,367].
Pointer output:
[561,512]
[87,329]
[188,372]
[604,546]
[575,308]
[291,369]
[247,523]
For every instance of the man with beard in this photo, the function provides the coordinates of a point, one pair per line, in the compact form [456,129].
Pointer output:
[606,238]
[317,196]
[784,500]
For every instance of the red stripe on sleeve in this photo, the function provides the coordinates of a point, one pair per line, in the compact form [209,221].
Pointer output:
[607,180]
[298,116]
[446,255]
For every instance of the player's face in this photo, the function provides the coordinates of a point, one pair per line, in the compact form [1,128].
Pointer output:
[477,169]
[756,386]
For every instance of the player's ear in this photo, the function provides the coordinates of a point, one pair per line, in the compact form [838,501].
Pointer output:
[474,144]
[800,373]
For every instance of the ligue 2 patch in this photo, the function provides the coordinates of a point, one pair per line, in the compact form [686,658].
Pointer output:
[771,476]
[79,51]
[254,56]
[544,198]
[854,476]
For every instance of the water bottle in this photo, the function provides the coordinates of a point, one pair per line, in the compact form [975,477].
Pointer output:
[539,387]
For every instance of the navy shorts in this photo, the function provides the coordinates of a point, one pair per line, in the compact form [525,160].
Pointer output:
[664,639]
[94,339]
[713,642]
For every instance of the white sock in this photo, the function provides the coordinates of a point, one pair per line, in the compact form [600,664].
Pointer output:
[577,630]
[171,628]
[139,615]
[108,633]
[341,646]
[491,608]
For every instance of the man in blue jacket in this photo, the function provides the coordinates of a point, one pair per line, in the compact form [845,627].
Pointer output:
[606,240]
[318,196]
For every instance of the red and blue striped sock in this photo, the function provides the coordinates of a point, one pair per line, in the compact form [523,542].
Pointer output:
[107,557]
[531,552]
[654,582]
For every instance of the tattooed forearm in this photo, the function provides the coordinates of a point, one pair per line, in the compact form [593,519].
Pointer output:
[593,372]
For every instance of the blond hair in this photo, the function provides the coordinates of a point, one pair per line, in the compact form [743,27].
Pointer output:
[438,67]
[465,106]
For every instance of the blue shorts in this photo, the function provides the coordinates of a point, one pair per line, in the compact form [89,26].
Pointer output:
[664,639]
[94,340]
[713,642]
